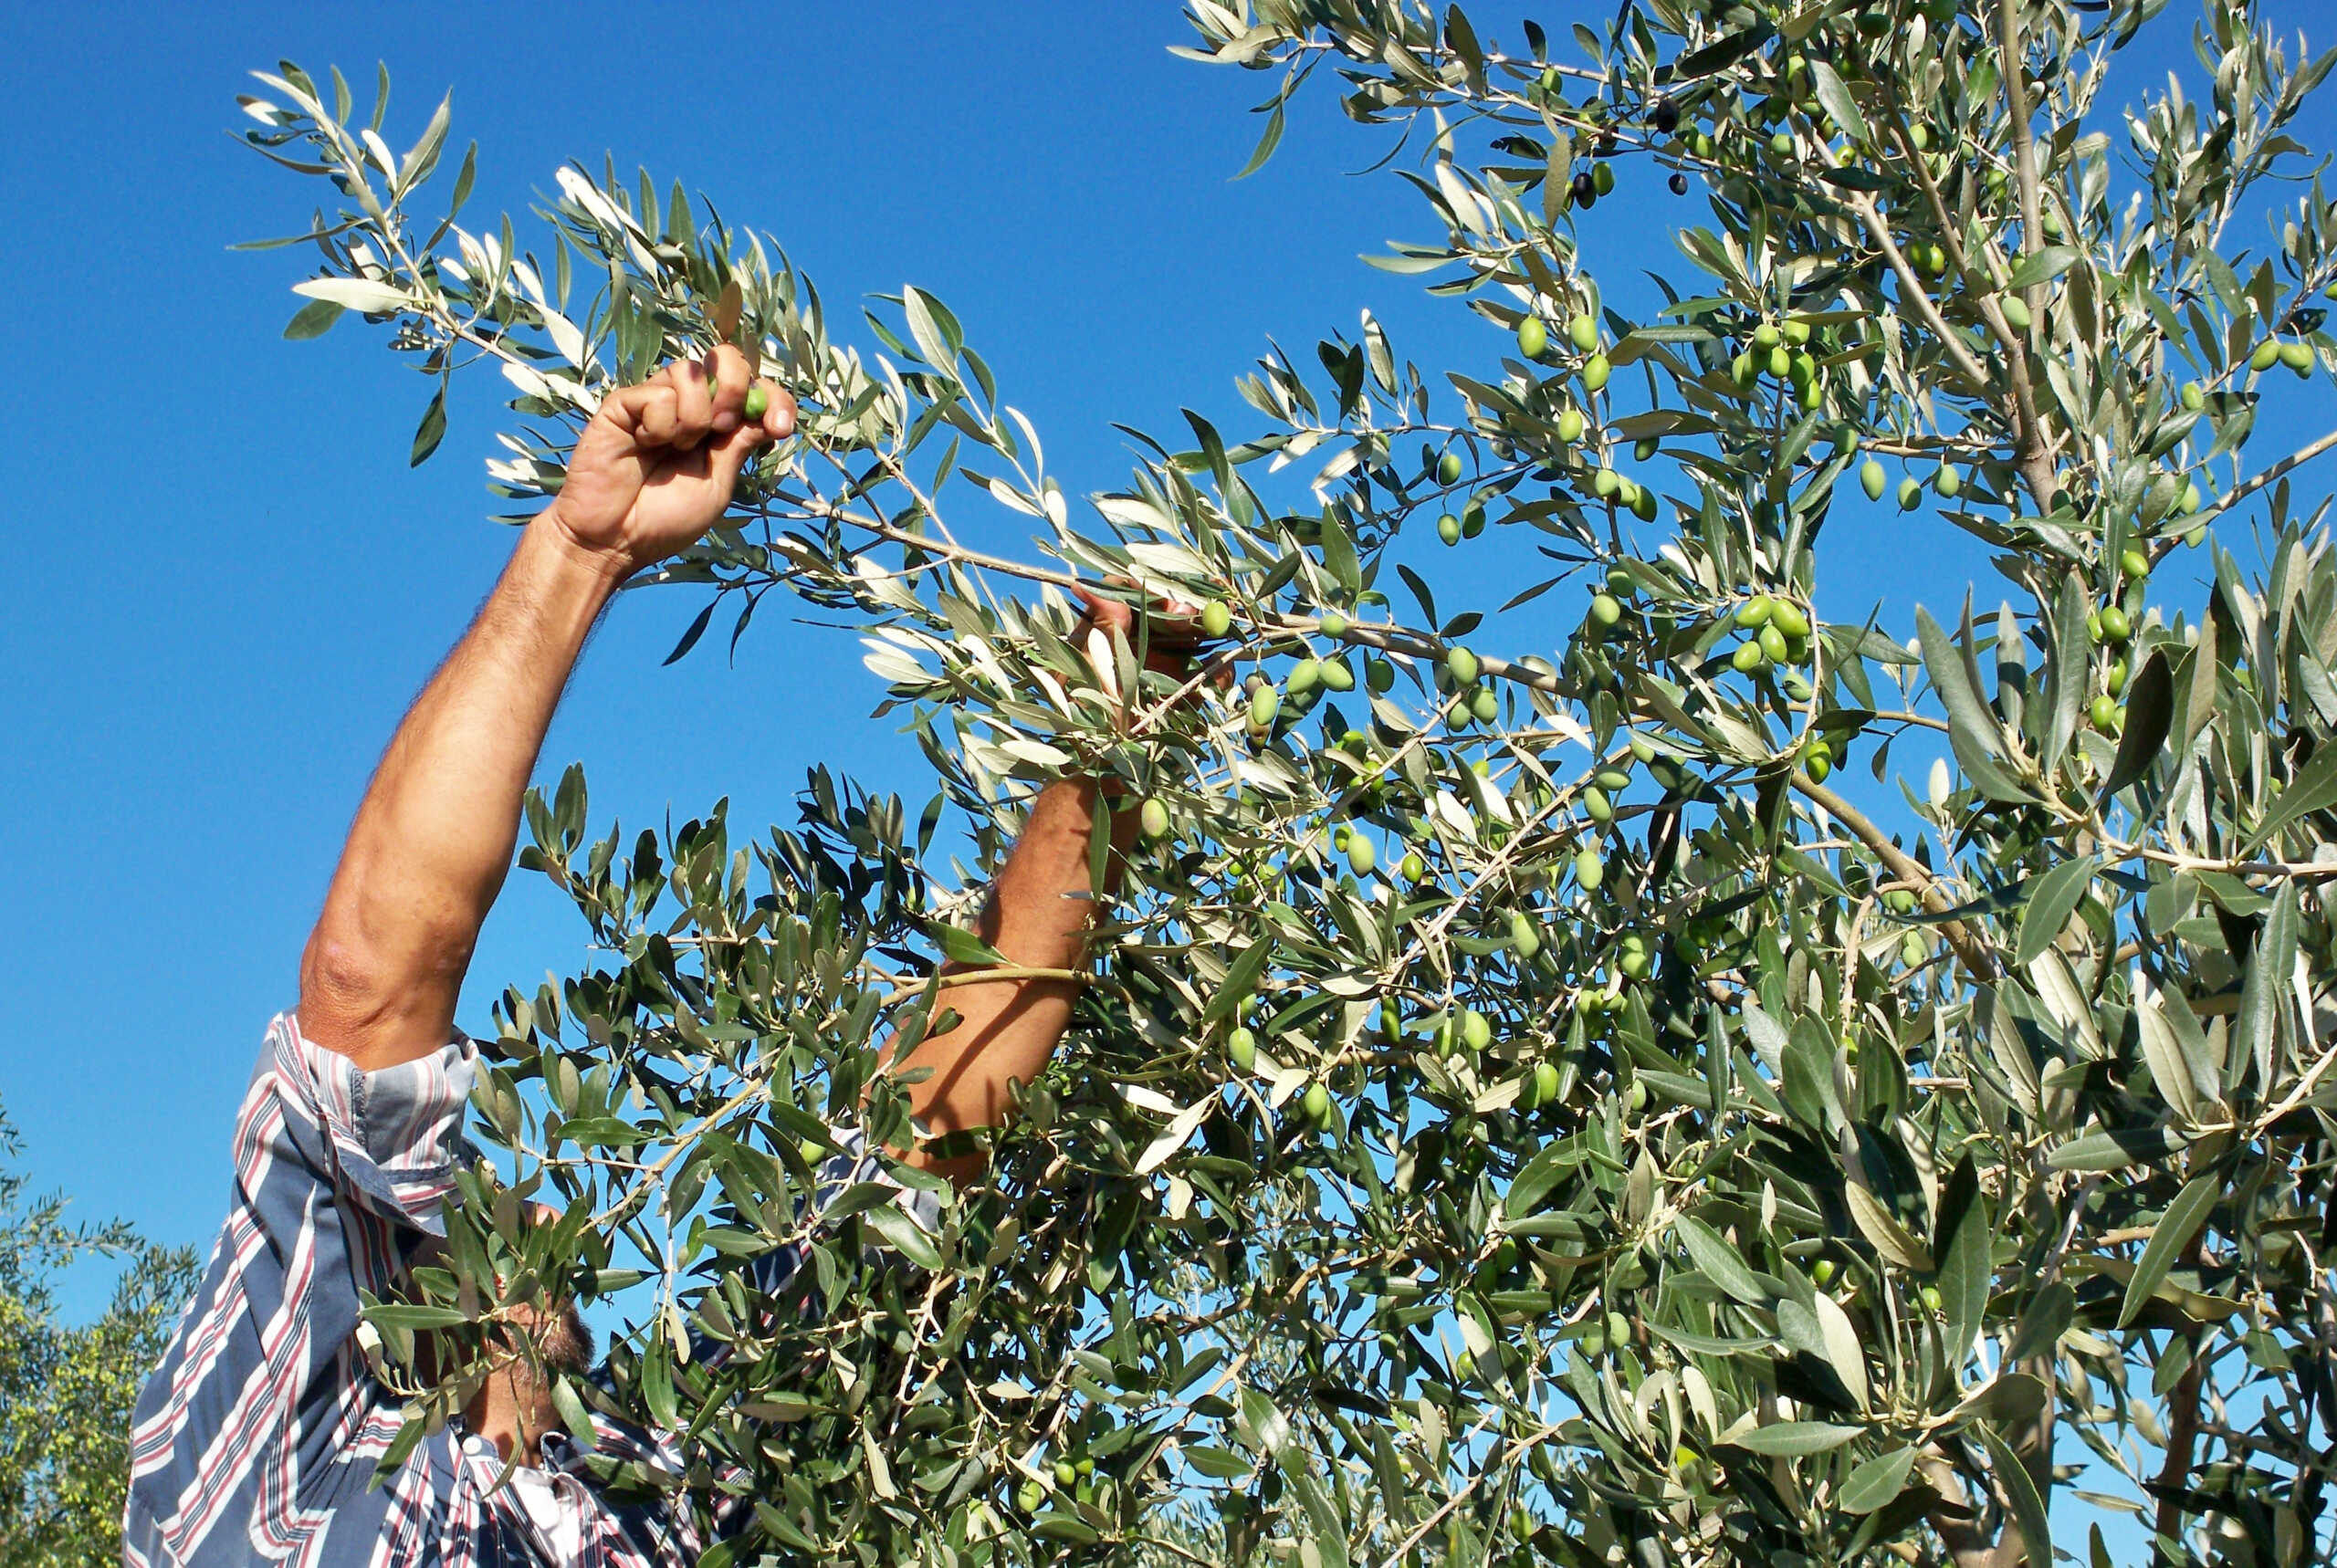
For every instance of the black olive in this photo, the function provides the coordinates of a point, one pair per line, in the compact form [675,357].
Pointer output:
[1585,192]
[1606,145]
[1679,184]
[1665,116]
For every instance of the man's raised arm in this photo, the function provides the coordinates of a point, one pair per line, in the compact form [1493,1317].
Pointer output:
[428,851]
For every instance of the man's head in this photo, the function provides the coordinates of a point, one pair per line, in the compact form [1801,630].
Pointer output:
[528,1347]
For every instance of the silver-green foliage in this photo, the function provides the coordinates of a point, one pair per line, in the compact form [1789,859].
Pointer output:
[66,1388]
[1715,1168]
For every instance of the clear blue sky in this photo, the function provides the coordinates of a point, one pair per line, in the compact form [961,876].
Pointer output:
[223,583]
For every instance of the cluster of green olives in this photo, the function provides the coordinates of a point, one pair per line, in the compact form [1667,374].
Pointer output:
[1776,631]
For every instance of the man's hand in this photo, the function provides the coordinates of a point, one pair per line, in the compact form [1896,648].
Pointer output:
[1168,640]
[656,465]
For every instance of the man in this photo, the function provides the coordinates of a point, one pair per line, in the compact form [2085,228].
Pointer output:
[257,1437]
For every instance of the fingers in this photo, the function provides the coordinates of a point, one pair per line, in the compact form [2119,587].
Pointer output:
[731,384]
[692,401]
[726,387]
[778,419]
[1109,615]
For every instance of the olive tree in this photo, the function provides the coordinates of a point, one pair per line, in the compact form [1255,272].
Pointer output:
[1532,1100]
[67,1388]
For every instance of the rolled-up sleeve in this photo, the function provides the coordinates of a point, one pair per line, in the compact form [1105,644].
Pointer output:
[338,1175]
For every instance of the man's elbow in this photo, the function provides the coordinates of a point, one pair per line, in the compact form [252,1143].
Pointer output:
[364,1003]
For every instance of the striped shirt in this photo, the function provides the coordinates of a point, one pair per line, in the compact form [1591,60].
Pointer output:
[259,1436]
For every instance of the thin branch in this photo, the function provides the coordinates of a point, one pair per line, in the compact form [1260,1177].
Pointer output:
[1959,936]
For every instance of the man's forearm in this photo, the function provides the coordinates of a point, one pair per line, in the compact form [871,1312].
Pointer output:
[431,843]
[1038,917]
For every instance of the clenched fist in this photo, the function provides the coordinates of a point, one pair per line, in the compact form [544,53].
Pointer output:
[656,467]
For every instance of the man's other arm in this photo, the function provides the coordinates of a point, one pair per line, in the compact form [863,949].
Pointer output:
[1038,915]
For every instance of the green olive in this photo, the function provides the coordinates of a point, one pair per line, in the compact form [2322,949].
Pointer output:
[1570,426]
[1756,610]
[1153,817]
[1947,482]
[1066,1473]
[1030,1497]
[1597,805]
[2267,355]
[1476,1034]
[1611,778]
[2113,680]
[1413,868]
[1545,1083]
[1747,658]
[2103,712]
[1766,336]
[1264,702]
[1589,870]
[1780,361]
[1315,1103]
[2193,397]
[1216,619]
[1448,469]
[2298,357]
[757,403]
[1788,619]
[1333,623]
[1773,643]
[1929,1295]
[2116,626]
[1818,766]
[1241,1049]
[1533,337]
[1337,676]
[1461,665]
[1781,144]
[1642,504]
[1379,675]
[1472,519]
[1872,479]
[1448,529]
[1305,676]
[1821,1273]
[1583,332]
[2135,563]
[1637,1098]
[1606,482]
[2016,312]
[1606,608]
[1910,494]
[1522,935]
[1595,372]
[1361,856]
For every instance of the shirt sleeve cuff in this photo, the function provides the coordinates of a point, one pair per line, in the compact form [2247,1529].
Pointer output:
[395,1135]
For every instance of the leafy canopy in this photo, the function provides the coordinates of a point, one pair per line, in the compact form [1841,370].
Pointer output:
[1530,1105]
[66,1390]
